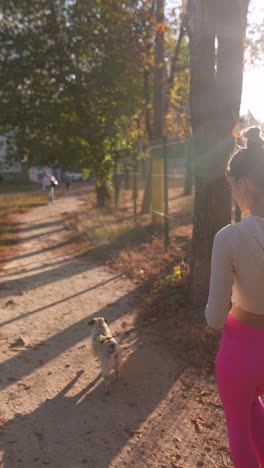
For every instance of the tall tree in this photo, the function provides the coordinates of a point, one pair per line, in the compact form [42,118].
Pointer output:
[77,75]
[70,83]
[217,33]
[166,80]
[159,72]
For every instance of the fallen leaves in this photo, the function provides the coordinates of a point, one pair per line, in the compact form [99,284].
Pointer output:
[197,426]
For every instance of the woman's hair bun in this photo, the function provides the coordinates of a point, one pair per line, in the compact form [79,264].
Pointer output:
[253,136]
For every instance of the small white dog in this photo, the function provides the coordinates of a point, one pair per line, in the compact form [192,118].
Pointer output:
[106,348]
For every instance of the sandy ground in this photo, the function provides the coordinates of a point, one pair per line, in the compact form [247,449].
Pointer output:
[163,412]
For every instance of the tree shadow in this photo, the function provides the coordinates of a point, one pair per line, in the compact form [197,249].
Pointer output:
[80,264]
[80,425]
[8,274]
[73,267]
[16,226]
[37,252]
[36,227]
[30,238]
[31,358]
[60,301]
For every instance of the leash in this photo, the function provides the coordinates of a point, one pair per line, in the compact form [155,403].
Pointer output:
[153,322]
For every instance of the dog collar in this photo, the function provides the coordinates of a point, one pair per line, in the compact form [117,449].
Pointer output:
[102,338]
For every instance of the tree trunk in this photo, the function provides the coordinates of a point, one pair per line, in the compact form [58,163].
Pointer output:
[25,170]
[117,183]
[159,74]
[158,113]
[215,94]
[102,194]
[160,105]
[146,203]
[188,177]
[156,133]
[135,186]
[211,212]
[147,104]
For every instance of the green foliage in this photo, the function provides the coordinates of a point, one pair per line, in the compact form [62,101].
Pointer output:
[69,82]
[72,86]
[171,289]
[178,119]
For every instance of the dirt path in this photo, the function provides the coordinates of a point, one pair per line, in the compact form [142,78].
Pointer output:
[162,413]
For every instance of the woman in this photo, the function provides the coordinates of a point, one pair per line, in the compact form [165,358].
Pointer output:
[237,274]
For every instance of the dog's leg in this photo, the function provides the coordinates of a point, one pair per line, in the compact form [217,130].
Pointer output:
[118,360]
[106,370]
[108,387]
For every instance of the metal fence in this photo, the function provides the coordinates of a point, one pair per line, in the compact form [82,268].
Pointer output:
[152,187]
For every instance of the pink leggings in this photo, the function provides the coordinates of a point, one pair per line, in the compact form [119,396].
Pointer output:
[240,380]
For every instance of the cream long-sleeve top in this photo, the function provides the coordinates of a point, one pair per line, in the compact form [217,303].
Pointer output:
[237,270]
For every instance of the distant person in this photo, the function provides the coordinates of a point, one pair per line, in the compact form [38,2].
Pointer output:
[237,275]
[68,181]
[48,184]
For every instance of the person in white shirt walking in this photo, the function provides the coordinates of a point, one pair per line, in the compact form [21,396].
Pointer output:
[48,186]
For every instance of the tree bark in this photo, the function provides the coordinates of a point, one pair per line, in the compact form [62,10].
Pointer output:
[156,132]
[188,177]
[117,183]
[173,68]
[146,203]
[102,195]
[25,170]
[159,73]
[176,54]
[160,103]
[215,94]
[147,104]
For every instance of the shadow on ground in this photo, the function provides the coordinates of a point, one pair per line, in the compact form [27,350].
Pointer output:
[81,426]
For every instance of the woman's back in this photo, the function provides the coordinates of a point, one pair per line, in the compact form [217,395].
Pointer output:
[237,270]
[237,274]
[248,288]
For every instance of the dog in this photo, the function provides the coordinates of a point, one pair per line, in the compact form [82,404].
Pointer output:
[106,348]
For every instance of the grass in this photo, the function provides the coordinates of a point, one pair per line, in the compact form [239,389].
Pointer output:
[12,204]
[114,236]
[19,186]
[135,247]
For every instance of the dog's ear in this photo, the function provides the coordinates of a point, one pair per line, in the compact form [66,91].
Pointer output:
[91,322]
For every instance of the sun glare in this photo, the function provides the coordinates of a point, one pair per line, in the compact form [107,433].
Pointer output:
[253,93]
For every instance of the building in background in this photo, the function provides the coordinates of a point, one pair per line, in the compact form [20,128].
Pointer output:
[8,169]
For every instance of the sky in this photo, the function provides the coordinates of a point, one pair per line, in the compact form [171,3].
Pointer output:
[253,89]
[253,93]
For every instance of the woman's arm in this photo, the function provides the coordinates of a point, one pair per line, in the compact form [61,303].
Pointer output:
[221,280]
